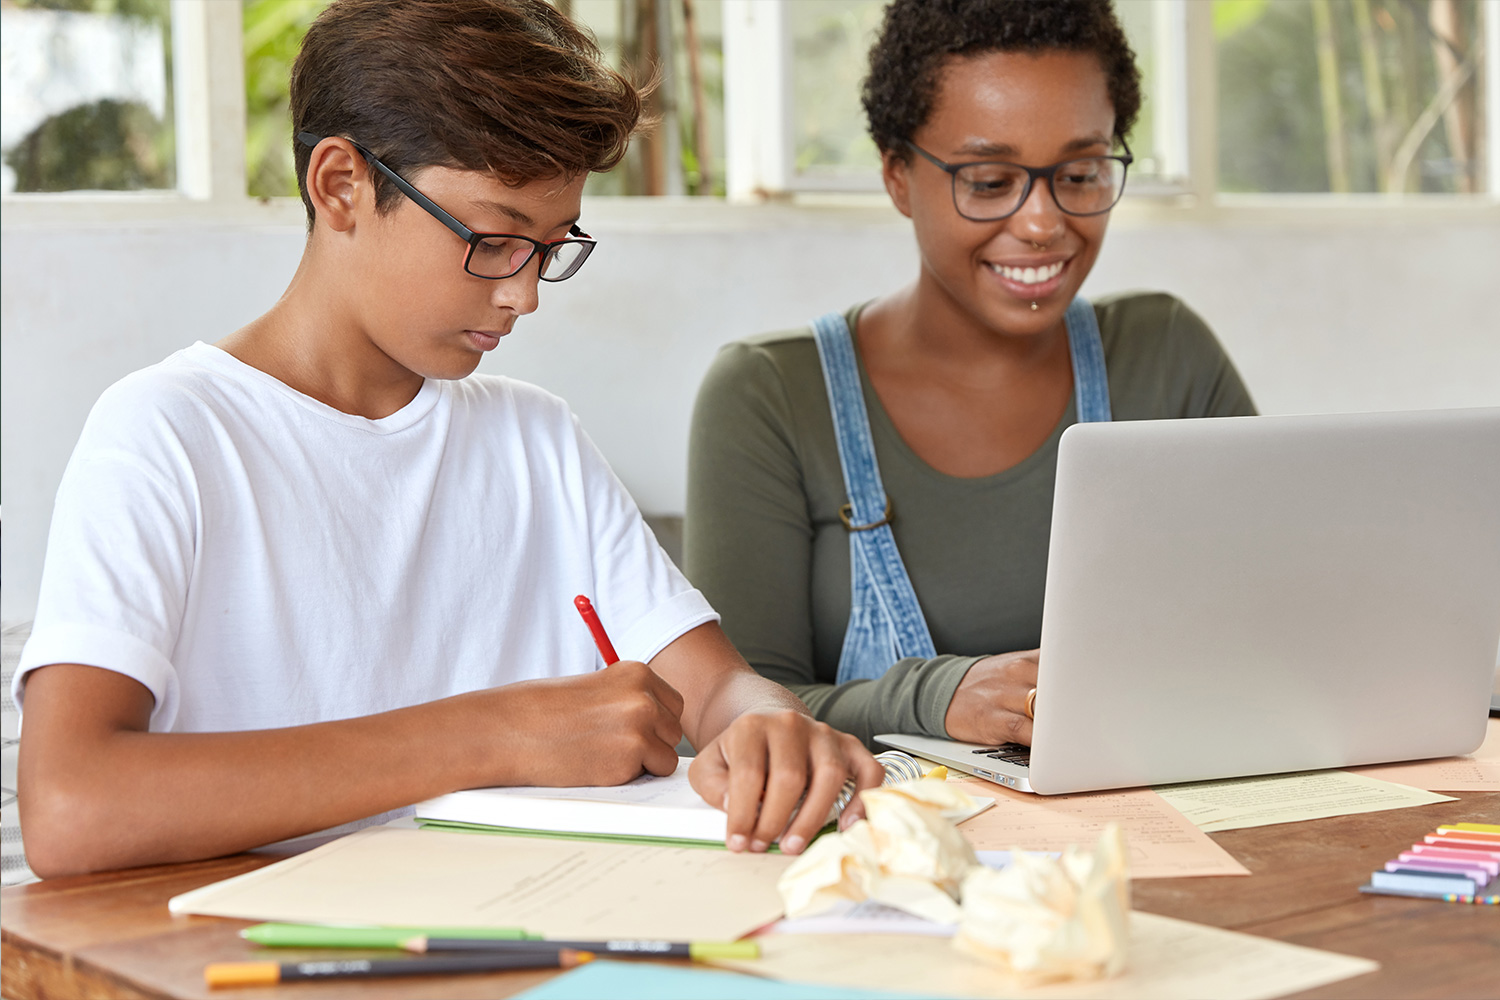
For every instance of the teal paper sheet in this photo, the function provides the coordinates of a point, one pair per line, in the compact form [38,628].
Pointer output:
[650,981]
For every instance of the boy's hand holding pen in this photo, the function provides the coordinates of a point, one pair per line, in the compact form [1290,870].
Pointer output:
[753,771]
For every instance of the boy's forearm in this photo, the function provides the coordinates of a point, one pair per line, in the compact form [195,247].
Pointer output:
[99,791]
[124,798]
[716,683]
[737,693]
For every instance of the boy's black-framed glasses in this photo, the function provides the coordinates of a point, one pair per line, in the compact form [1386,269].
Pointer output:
[491,255]
[993,190]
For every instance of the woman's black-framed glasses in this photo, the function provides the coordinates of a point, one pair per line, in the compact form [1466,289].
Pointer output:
[986,192]
[491,255]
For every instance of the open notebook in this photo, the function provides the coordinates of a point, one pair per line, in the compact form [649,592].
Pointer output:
[650,808]
[662,810]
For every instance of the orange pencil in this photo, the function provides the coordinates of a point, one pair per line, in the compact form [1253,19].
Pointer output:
[270,973]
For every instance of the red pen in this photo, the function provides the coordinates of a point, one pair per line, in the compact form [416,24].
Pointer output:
[596,629]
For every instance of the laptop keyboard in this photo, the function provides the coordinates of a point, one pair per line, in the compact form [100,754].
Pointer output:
[1011,753]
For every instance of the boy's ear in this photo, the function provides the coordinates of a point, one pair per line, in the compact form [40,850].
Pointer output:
[896,172]
[338,181]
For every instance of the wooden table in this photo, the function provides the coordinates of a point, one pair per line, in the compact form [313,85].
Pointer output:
[110,936]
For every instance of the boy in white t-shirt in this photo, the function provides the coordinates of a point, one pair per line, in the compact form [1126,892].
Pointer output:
[314,573]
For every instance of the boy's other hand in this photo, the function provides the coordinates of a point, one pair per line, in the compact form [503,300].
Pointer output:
[777,774]
[602,728]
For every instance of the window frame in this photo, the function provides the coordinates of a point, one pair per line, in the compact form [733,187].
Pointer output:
[208,92]
[758,125]
[208,87]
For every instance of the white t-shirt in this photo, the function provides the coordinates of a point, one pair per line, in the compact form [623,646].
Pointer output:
[258,559]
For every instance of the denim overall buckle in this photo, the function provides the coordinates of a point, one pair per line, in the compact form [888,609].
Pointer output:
[846,514]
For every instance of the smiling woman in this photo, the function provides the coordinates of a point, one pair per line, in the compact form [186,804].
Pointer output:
[869,500]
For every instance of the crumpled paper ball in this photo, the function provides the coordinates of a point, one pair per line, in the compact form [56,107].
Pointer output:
[1048,919]
[905,853]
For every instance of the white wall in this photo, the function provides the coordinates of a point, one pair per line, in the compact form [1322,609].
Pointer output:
[1319,315]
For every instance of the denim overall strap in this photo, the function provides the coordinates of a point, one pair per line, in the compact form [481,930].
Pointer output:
[1090,384]
[885,620]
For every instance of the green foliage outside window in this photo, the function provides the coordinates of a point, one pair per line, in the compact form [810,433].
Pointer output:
[102,146]
[1349,95]
[830,49]
[106,144]
[273,34]
[142,10]
[1313,95]
[677,44]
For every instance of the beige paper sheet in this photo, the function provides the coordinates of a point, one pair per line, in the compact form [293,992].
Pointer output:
[1289,798]
[1169,960]
[1162,842]
[558,888]
[1476,772]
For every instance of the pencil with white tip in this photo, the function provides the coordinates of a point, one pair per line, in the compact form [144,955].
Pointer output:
[699,950]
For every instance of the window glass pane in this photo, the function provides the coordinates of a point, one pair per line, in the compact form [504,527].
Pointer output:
[1139,18]
[830,54]
[682,43]
[273,34]
[87,96]
[1350,95]
[684,155]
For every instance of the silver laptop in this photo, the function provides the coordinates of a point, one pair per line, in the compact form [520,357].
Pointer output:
[1253,595]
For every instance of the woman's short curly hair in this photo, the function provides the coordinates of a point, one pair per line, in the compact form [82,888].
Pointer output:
[918,36]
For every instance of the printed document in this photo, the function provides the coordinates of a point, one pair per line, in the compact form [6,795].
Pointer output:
[1169,960]
[1162,842]
[556,888]
[1475,772]
[1237,803]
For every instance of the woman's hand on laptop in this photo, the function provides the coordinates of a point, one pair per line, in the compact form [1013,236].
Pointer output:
[990,705]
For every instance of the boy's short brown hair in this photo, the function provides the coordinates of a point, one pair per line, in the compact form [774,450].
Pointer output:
[510,87]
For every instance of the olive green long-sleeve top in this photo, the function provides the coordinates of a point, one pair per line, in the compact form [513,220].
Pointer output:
[763,539]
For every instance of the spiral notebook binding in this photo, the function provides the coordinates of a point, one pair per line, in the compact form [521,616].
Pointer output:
[898,766]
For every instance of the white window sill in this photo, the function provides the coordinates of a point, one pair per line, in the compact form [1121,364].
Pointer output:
[807,210]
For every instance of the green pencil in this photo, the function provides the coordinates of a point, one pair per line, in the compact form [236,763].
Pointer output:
[275,935]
